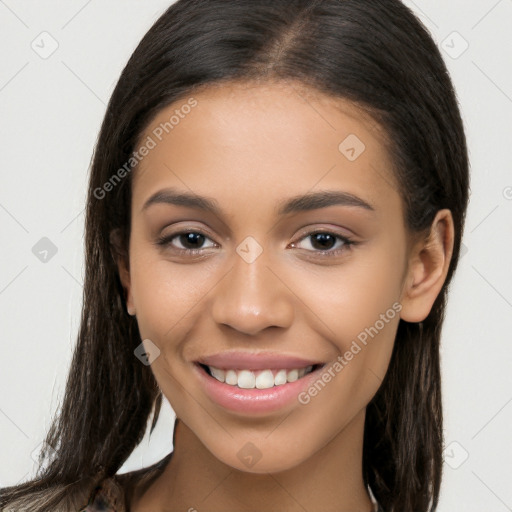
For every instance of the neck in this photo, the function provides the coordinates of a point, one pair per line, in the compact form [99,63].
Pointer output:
[196,480]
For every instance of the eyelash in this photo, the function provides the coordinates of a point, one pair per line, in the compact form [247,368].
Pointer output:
[328,253]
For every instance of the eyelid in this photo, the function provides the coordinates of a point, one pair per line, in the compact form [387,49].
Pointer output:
[317,255]
[180,228]
[329,228]
[164,240]
[347,245]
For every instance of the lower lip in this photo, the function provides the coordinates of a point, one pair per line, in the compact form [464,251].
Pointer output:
[254,401]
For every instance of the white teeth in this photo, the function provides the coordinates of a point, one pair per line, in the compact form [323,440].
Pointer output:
[231,377]
[292,375]
[219,374]
[280,378]
[246,379]
[262,379]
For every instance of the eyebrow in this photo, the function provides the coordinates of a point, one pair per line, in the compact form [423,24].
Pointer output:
[296,204]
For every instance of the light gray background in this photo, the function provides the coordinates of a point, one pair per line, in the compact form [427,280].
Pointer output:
[51,110]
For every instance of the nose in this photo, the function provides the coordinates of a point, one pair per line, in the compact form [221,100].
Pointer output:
[252,297]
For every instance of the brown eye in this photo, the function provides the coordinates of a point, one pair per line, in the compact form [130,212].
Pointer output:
[324,243]
[191,242]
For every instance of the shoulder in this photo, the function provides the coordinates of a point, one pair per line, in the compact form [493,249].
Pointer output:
[115,493]
[107,496]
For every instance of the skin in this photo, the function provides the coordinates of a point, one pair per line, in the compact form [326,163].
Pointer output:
[249,147]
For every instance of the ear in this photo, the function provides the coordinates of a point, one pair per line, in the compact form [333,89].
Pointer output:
[429,262]
[120,256]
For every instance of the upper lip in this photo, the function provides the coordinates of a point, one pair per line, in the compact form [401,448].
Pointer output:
[255,361]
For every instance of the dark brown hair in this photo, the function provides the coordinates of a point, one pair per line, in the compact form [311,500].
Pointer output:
[374,53]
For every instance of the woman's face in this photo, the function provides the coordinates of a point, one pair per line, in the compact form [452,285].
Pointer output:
[319,279]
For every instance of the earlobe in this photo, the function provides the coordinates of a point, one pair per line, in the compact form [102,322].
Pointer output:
[124,275]
[120,256]
[429,262]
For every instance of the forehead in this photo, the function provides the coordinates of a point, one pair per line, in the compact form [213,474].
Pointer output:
[264,142]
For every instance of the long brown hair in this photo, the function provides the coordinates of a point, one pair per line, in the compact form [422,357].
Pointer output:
[372,52]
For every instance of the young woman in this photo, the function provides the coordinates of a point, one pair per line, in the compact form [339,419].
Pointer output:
[275,212]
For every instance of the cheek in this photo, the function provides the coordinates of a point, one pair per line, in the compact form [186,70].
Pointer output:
[356,307]
[163,292]
[352,296]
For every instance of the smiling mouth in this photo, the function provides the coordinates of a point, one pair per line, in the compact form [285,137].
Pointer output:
[258,379]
